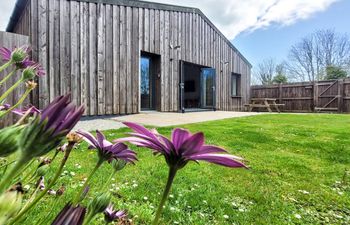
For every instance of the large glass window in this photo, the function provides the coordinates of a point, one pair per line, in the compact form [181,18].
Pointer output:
[146,100]
[235,84]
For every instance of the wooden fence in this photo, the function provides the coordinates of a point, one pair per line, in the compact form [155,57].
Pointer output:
[331,95]
[10,40]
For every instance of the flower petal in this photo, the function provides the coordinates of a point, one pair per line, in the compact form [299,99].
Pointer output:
[220,159]
[193,144]
[179,136]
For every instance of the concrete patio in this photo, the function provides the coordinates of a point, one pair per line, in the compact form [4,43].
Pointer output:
[157,119]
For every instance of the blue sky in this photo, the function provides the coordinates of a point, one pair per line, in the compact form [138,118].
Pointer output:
[275,41]
[258,28]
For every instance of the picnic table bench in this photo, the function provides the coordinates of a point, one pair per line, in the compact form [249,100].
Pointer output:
[266,103]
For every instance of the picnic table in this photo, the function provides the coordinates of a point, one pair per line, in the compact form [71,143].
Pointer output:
[266,103]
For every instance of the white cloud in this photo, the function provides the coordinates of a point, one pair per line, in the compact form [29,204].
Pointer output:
[6,8]
[233,16]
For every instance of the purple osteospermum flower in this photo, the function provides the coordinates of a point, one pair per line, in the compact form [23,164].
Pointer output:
[5,54]
[112,215]
[70,215]
[5,107]
[182,147]
[106,149]
[18,55]
[48,129]
[31,109]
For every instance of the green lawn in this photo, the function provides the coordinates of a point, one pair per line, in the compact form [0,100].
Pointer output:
[298,175]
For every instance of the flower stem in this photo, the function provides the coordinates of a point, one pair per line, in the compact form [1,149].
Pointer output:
[7,180]
[24,96]
[2,98]
[88,219]
[3,67]
[42,194]
[78,196]
[171,176]
[7,77]
[105,186]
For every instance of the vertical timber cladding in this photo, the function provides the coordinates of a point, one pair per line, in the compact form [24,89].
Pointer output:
[92,50]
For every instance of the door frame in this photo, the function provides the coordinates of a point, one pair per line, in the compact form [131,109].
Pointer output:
[155,68]
[181,96]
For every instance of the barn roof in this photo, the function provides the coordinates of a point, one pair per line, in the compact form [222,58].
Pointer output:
[21,4]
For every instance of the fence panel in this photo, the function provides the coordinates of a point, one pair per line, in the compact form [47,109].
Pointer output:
[333,95]
[10,40]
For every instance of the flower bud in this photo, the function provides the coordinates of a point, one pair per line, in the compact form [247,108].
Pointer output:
[19,54]
[99,204]
[41,171]
[10,204]
[118,164]
[8,140]
[28,73]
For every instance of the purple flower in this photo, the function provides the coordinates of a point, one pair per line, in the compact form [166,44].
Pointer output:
[112,215]
[16,56]
[31,109]
[5,54]
[33,70]
[182,148]
[106,149]
[5,107]
[47,129]
[70,215]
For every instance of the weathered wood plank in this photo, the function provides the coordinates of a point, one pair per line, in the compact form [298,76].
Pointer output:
[122,59]
[93,59]
[135,67]
[109,61]
[101,55]
[75,50]
[129,59]
[84,56]
[116,59]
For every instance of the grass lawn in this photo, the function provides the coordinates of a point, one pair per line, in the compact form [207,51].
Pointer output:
[297,175]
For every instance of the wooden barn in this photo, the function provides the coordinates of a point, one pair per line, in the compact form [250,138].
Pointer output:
[126,56]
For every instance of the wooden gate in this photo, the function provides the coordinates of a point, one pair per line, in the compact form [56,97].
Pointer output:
[328,96]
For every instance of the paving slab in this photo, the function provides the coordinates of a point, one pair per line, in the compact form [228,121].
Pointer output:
[162,119]
[156,119]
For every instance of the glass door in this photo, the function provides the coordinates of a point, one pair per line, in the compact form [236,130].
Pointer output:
[208,88]
[146,84]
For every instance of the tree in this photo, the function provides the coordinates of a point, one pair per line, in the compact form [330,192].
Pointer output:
[280,79]
[334,72]
[309,58]
[266,70]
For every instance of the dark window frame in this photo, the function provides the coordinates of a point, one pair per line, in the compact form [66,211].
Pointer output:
[238,89]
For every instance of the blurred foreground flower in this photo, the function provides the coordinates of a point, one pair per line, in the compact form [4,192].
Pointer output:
[97,205]
[10,204]
[112,215]
[48,129]
[70,215]
[182,148]
[44,133]
[9,139]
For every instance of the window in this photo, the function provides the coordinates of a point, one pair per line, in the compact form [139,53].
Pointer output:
[235,85]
